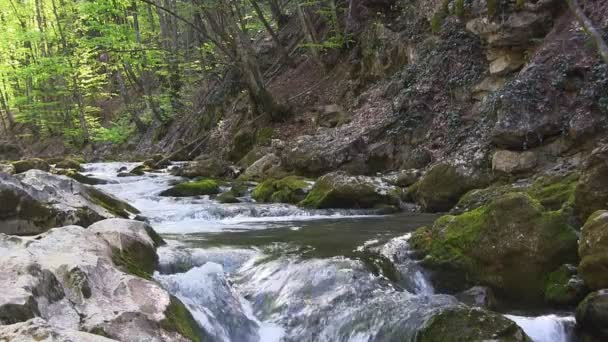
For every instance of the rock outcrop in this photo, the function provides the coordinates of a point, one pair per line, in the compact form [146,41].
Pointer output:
[592,315]
[593,250]
[592,189]
[31,164]
[37,200]
[340,190]
[510,245]
[71,280]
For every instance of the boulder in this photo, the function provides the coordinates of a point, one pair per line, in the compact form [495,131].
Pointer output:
[31,164]
[68,164]
[478,296]
[470,324]
[91,280]
[512,162]
[516,29]
[37,200]
[7,168]
[290,189]
[195,188]
[510,245]
[592,315]
[37,329]
[593,250]
[268,166]
[591,193]
[227,197]
[442,186]
[340,190]
[210,168]
[564,287]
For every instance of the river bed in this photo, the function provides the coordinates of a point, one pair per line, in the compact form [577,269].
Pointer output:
[275,272]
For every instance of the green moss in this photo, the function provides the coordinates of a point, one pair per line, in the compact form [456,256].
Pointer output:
[130,261]
[196,188]
[227,197]
[555,192]
[264,136]
[111,204]
[509,244]
[30,164]
[470,324]
[440,16]
[290,189]
[459,8]
[179,319]
[492,7]
[559,288]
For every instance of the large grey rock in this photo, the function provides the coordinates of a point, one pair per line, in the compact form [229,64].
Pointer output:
[513,161]
[34,201]
[78,279]
[263,168]
[37,329]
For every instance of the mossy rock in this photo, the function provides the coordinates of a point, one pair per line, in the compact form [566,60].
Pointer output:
[591,192]
[179,319]
[339,190]
[195,188]
[138,170]
[592,315]
[31,164]
[593,250]
[68,164]
[227,197]
[79,177]
[241,144]
[290,189]
[510,245]
[564,287]
[111,204]
[264,136]
[554,193]
[442,186]
[470,324]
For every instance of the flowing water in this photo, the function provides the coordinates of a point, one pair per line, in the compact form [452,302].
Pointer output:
[275,272]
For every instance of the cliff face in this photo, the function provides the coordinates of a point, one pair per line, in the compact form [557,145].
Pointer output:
[513,86]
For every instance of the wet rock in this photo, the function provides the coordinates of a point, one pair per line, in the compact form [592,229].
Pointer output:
[268,166]
[470,324]
[209,168]
[592,315]
[75,279]
[290,189]
[37,329]
[512,162]
[7,168]
[592,190]
[565,287]
[442,186]
[227,197]
[136,171]
[80,177]
[478,296]
[37,200]
[593,250]
[510,245]
[339,190]
[68,164]
[31,164]
[195,188]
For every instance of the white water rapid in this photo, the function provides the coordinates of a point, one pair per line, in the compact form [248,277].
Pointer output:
[274,272]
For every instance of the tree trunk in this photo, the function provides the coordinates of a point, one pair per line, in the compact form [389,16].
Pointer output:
[277,13]
[81,113]
[595,35]
[274,36]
